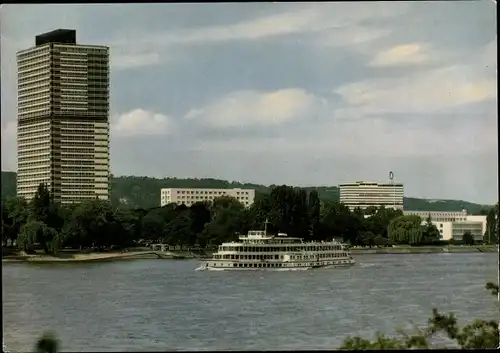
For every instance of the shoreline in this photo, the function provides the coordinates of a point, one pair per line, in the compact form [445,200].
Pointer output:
[177,255]
[93,257]
[426,250]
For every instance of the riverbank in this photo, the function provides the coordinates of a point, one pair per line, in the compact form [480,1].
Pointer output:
[72,257]
[93,257]
[425,250]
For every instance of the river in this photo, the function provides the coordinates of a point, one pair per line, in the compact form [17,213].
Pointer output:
[159,305]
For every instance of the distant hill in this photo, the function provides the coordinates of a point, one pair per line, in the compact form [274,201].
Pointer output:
[134,191]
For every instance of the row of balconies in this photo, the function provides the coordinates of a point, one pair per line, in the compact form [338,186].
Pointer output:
[32,56]
[33,134]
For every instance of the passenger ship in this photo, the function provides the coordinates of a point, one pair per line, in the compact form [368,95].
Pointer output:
[258,251]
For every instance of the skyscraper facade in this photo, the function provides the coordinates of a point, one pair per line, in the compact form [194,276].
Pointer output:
[63,118]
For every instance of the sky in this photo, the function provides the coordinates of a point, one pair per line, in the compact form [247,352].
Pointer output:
[282,93]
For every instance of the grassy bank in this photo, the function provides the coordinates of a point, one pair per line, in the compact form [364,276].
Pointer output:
[73,256]
[91,257]
[425,250]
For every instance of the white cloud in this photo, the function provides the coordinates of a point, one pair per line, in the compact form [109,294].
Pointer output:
[316,18]
[418,93]
[122,61]
[256,108]
[140,122]
[401,55]
[376,137]
[350,36]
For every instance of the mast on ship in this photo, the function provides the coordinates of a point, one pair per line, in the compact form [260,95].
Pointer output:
[265,226]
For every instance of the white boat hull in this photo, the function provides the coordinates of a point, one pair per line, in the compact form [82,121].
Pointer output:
[206,266]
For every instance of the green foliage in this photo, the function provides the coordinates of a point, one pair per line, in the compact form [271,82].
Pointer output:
[14,214]
[405,230]
[480,334]
[99,225]
[143,192]
[492,220]
[468,238]
[36,232]
[48,343]
[409,230]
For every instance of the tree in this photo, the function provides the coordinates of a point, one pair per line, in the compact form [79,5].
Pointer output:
[370,211]
[125,227]
[228,218]
[91,223]
[314,213]
[468,238]
[338,221]
[491,235]
[14,215]
[43,208]
[379,220]
[430,233]
[48,343]
[405,230]
[367,238]
[37,232]
[199,213]
[179,230]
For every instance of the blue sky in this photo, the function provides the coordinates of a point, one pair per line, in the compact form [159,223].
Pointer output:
[302,94]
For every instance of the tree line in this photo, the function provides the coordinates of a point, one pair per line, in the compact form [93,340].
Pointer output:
[96,223]
[144,192]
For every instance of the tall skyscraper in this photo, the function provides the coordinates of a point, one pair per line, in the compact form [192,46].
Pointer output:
[63,118]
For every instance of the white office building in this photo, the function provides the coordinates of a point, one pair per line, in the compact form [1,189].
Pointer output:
[364,194]
[453,225]
[191,196]
[440,216]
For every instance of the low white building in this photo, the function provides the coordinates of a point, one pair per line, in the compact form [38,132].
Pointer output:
[453,225]
[190,196]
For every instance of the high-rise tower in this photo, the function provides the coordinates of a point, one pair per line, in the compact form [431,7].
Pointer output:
[63,118]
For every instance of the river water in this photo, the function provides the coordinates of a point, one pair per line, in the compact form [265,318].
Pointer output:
[158,305]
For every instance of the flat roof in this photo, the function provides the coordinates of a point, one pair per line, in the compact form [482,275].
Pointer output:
[370,183]
[67,36]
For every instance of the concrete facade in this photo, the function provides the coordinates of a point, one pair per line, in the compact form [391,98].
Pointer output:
[364,194]
[439,216]
[63,118]
[453,225]
[191,196]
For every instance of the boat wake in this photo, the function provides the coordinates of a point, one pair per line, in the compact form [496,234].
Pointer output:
[367,265]
[291,269]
